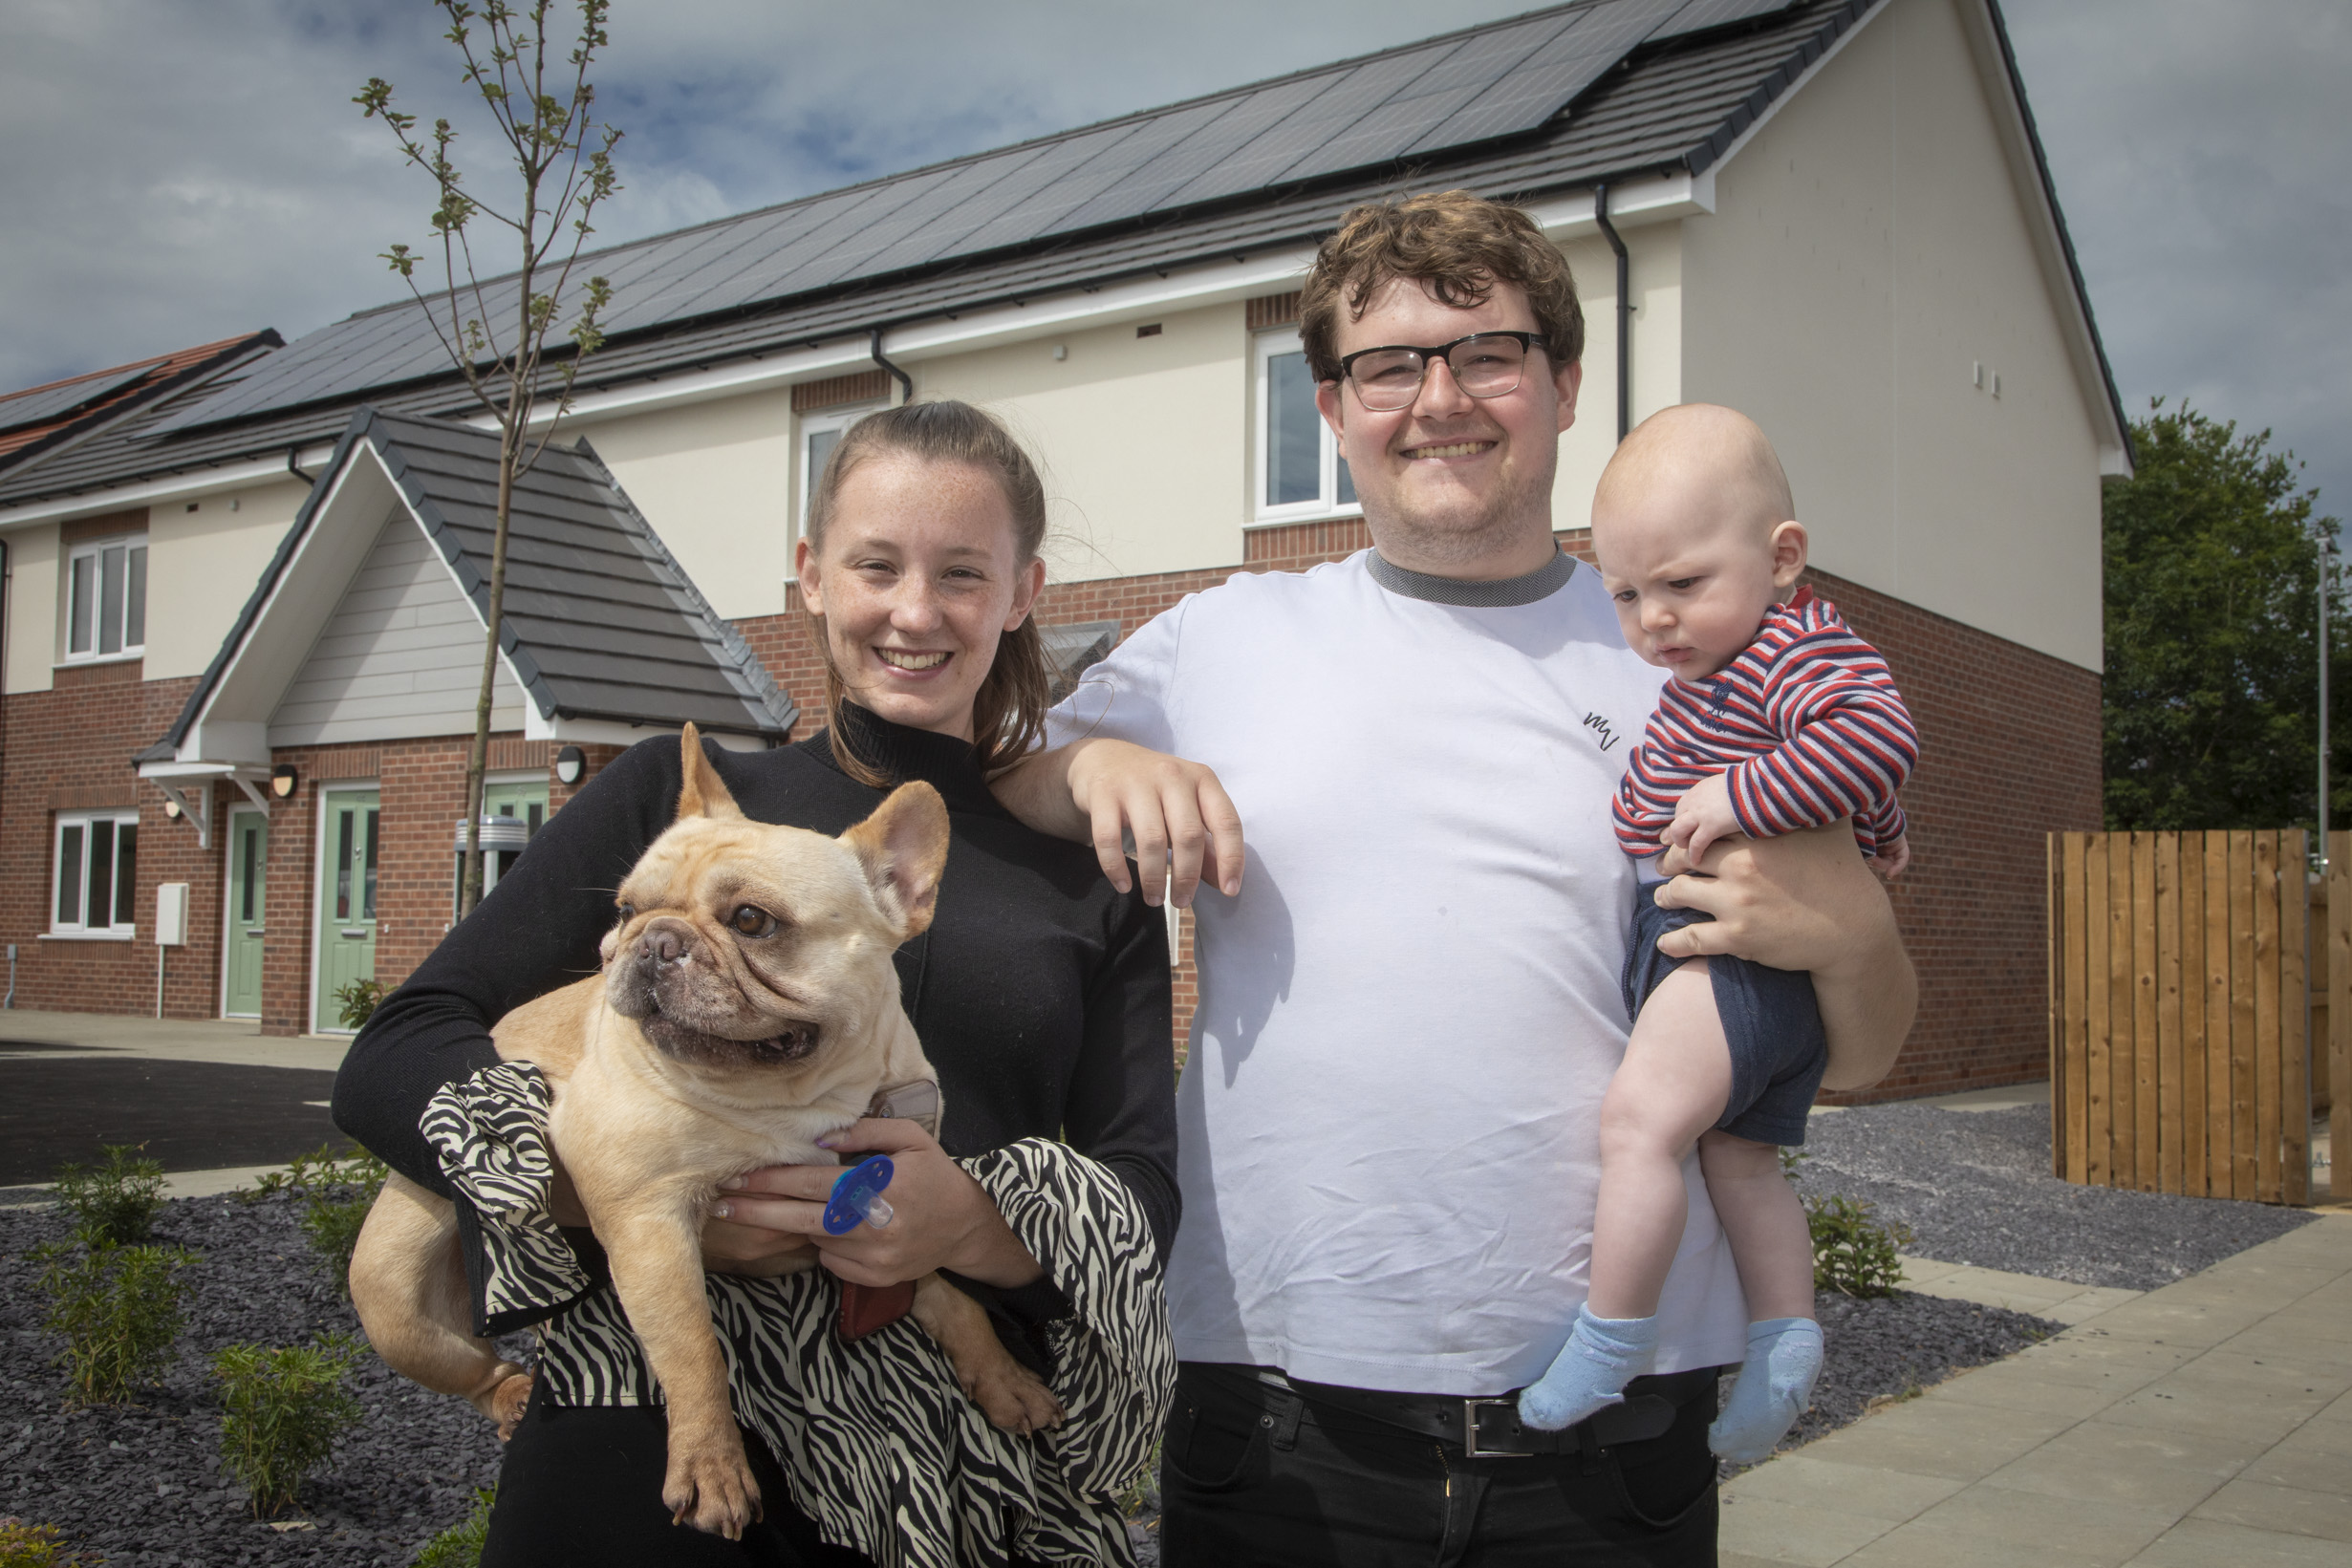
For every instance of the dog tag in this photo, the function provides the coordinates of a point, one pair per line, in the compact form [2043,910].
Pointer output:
[857,1197]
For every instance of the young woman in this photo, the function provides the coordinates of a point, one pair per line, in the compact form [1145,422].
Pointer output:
[1040,994]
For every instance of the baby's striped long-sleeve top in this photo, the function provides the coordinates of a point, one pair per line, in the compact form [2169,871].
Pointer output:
[1806,725]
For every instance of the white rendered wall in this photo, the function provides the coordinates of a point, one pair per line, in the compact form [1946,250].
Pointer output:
[1868,247]
[1653,254]
[715,480]
[202,567]
[34,595]
[1143,440]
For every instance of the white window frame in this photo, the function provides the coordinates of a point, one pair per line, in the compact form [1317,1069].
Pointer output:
[94,552]
[79,822]
[1326,502]
[831,421]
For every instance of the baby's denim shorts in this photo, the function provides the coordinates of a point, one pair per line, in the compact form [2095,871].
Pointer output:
[1771,1022]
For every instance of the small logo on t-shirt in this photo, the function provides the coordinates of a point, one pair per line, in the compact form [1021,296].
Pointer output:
[1601,730]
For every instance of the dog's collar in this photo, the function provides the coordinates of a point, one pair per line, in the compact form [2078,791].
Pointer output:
[917,1102]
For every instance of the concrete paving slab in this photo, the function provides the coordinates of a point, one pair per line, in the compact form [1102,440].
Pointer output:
[2007,1386]
[1956,1442]
[2208,1543]
[1791,1533]
[2316,1456]
[1992,1526]
[2291,1510]
[232,1041]
[1996,1287]
[2171,1471]
[1803,1479]
[2205,1423]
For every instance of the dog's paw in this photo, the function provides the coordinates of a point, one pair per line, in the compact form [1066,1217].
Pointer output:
[711,1489]
[507,1403]
[1013,1398]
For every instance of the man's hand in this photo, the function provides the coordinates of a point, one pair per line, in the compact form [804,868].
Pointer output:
[1109,792]
[1702,816]
[942,1218]
[1806,901]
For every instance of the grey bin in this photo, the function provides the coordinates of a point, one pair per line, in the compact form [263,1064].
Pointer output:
[503,840]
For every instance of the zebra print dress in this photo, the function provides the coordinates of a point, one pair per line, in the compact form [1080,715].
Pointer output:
[884,1450]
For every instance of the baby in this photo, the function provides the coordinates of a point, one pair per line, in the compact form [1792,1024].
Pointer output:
[1776,718]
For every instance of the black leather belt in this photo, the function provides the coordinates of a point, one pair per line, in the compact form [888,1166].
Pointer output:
[1490,1428]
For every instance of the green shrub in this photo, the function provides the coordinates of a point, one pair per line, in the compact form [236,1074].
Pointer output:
[336,1191]
[1853,1253]
[282,1412]
[116,1201]
[460,1546]
[358,1002]
[118,1309]
[25,1545]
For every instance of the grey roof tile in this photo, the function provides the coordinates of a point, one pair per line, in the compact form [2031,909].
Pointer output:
[598,619]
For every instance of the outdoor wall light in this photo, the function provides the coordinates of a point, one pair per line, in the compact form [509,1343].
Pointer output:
[569,763]
[282,780]
[171,810]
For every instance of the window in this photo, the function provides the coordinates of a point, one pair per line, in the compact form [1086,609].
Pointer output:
[1300,471]
[106,599]
[97,873]
[818,434]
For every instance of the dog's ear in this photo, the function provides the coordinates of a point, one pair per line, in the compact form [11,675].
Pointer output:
[701,794]
[903,847]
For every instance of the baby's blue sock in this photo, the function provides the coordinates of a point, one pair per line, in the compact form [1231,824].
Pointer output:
[1774,1388]
[1602,1356]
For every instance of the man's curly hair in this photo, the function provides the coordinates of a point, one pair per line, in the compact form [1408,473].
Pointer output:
[1459,244]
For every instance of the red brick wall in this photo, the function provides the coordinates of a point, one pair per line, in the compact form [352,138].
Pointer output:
[2010,752]
[422,785]
[68,747]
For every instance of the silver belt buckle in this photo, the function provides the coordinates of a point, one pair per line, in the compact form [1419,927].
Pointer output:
[1469,1431]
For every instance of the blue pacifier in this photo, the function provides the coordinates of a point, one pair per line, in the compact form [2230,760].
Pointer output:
[857,1197]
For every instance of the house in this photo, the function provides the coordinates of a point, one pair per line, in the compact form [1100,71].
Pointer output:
[1833,214]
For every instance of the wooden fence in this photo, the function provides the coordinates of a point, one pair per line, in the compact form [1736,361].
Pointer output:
[2179,1014]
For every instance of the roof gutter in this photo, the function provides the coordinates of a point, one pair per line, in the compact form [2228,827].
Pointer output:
[1625,308]
[906,382]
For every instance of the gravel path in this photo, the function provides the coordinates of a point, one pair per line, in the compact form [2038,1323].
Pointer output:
[142,1486]
[1975,1187]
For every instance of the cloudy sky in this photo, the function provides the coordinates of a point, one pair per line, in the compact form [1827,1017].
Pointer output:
[175,172]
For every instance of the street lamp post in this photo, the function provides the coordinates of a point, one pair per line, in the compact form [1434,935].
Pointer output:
[2326,550]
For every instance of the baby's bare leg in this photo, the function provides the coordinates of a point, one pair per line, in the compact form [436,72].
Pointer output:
[1672,1087]
[1771,1244]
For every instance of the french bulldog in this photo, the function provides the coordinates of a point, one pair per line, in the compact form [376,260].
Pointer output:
[747,1006]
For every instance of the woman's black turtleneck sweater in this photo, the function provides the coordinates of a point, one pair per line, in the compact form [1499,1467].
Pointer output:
[1040,992]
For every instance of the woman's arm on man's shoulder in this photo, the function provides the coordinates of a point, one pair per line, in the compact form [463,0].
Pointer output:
[537,930]
[1806,901]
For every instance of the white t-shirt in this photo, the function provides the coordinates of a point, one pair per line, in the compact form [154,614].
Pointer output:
[1390,1120]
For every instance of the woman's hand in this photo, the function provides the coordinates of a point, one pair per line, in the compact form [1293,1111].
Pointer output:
[1106,792]
[942,1218]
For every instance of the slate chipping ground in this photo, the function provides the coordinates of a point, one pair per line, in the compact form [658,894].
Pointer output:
[142,1488]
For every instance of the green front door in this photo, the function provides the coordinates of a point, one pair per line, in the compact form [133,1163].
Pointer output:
[346,898]
[249,875]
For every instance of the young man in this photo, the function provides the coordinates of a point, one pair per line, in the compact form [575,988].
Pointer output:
[1410,1008]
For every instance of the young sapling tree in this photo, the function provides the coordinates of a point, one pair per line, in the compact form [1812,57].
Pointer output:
[543,106]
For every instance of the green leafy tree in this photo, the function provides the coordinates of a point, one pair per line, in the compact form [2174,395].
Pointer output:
[2211,694]
[498,332]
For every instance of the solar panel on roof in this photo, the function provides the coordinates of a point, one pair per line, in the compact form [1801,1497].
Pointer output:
[1700,15]
[1413,101]
[47,403]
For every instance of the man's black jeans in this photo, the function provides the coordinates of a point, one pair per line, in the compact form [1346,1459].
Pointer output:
[1253,1475]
